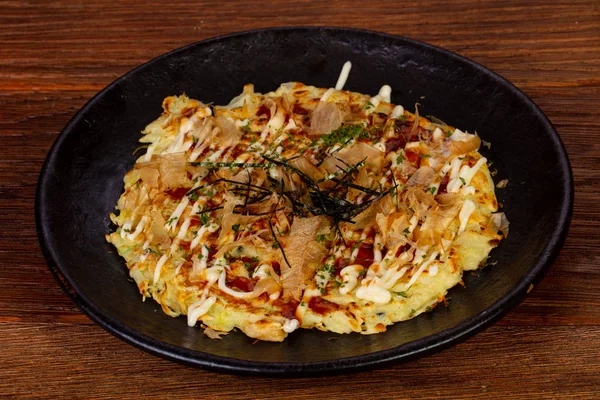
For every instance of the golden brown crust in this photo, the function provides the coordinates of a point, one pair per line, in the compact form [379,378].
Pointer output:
[288,210]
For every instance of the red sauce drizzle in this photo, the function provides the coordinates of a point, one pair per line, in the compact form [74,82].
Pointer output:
[339,264]
[404,131]
[322,306]
[264,297]
[394,144]
[242,283]
[402,249]
[185,246]
[249,263]
[443,188]
[276,267]
[177,193]
[237,150]
[288,308]
[212,250]
[411,156]
[299,110]
[263,110]
[204,152]
[365,254]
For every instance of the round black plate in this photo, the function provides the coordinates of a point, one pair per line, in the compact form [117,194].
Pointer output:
[82,180]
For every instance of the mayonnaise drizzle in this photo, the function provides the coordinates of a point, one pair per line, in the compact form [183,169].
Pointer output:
[159,266]
[174,218]
[385,93]
[397,112]
[349,276]
[231,292]
[290,325]
[327,93]
[374,293]
[465,213]
[414,278]
[150,151]
[139,228]
[198,309]
[343,76]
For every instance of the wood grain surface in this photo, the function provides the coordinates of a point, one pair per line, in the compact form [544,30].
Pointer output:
[55,55]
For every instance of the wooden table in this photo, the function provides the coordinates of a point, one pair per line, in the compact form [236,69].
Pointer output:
[55,55]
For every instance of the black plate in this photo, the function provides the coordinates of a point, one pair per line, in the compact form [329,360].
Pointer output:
[82,180]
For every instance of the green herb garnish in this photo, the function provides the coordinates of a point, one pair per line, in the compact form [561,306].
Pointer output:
[341,135]
[204,219]
[171,220]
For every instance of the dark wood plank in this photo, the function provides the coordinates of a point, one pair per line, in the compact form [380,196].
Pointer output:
[55,55]
[478,368]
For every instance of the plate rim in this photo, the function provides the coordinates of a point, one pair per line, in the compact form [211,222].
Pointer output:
[409,351]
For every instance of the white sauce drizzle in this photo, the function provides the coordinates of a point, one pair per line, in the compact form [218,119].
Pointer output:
[397,112]
[413,223]
[464,175]
[467,190]
[174,218]
[159,266]
[178,267]
[467,173]
[150,150]
[231,292]
[126,228]
[198,237]
[242,158]
[349,276]
[215,156]
[327,93]
[461,136]
[201,145]
[200,265]
[290,325]
[198,309]
[391,276]
[341,82]
[177,144]
[414,278]
[375,288]
[385,93]
[139,228]
[276,122]
[377,256]
[465,213]
[433,270]
[375,101]
[374,293]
